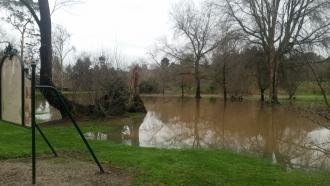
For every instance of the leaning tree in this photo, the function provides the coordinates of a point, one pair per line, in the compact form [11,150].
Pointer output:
[41,14]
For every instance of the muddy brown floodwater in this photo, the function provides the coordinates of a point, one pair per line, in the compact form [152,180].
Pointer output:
[281,133]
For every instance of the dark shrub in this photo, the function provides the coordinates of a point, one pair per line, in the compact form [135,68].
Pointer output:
[116,98]
[148,87]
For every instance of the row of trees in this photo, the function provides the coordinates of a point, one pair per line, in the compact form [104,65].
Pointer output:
[236,73]
[219,42]
[275,31]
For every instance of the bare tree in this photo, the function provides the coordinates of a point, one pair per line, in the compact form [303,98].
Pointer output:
[318,81]
[162,68]
[278,26]
[222,56]
[21,20]
[186,73]
[117,57]
[3,37]
[59,4]
[62,47]
[199,28]
[293,72]
[256,58]
[32,49]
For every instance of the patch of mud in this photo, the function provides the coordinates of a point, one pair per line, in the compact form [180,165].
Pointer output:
[60,171]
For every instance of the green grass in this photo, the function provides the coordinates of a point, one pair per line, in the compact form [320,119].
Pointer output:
[300,99]
[67,93]
[310,87]
[159,166]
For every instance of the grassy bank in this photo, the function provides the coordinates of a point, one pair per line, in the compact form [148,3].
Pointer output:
[67,93]
[160,167]
[300,99]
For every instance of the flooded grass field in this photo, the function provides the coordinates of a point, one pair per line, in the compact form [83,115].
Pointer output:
[282,133]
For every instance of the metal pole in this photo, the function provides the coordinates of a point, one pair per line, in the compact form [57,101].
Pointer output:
[85,141]
[33,122]
[46,140]
[75,125]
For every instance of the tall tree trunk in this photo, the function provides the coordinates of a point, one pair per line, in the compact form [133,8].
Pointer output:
[273,78]
[45,28]
[62,78]
[224,81]
[262,94]
[271,89]
[261,81]
[275,82]
[319,83]
[198,80]
[22,44]
[182,87]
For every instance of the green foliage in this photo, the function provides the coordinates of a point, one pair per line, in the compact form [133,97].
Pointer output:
[310,87]
[212,88]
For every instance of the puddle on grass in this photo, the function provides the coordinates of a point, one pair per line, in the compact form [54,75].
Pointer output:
[124,136]
[45,112]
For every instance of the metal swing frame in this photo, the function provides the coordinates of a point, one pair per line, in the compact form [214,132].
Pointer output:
[10,52]
[34,125]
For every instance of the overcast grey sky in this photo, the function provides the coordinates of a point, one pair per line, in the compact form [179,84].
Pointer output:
[131,25]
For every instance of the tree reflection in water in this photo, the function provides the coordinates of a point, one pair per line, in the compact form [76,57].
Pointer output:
[281,133]
[276,132]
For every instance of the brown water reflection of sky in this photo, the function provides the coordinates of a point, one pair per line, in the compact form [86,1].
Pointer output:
[280,133]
